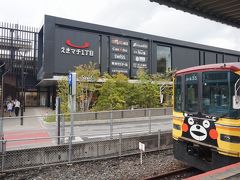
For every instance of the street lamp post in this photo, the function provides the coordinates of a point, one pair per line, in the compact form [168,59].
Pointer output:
[2,67]
[23,53]
[22,78]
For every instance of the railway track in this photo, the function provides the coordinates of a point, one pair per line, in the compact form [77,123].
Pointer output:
[171,174]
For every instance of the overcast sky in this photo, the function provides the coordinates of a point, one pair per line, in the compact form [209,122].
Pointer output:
[137,15]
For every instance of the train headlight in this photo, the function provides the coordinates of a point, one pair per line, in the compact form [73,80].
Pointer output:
[185,114]
[230,138]
[176,126]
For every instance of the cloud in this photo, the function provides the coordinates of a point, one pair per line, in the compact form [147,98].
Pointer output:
[136,15]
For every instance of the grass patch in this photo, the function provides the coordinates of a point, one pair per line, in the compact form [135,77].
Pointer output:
[52,118]
[49,119]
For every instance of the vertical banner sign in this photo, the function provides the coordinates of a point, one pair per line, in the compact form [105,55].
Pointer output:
[139,56]
[70,84]
[119,55]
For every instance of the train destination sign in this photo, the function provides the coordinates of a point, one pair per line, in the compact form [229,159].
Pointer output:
[191,77]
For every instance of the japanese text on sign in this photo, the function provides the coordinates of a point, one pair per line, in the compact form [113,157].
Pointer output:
[80,52]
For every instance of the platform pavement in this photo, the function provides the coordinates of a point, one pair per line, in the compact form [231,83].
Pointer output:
[230,172]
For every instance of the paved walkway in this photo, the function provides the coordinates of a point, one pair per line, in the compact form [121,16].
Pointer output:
[33,127]
[29,123]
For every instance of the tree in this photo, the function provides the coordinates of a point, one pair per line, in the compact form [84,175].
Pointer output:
[116,93]
[148,94]
[87,84]
[62,92]
[165,86]
[113,93]
[87,75]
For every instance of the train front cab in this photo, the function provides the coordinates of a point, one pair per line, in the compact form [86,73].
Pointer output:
[206,128]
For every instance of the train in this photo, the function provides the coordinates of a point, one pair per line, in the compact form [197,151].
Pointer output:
[206,115]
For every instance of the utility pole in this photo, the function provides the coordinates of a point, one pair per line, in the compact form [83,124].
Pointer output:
[72,84]
[22,79]
[2,69]
[22,83]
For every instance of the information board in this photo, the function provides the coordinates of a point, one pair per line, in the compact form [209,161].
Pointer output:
[139,56]
[119,55]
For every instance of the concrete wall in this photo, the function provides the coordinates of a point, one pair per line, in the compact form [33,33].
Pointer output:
[123,114]
[26,158]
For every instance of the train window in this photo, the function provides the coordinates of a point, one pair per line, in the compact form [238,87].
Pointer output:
[177,94]
[233,113]
[216,93]
[191,95]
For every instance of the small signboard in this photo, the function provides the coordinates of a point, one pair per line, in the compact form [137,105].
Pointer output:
[72,83]
[142,146]
[142,149]
[70,79]
[161,98]
[119,55]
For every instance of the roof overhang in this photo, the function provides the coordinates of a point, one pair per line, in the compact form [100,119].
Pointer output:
[50,81]
[227,12]
[53,81]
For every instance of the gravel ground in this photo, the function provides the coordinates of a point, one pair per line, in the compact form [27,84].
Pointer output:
[117,168]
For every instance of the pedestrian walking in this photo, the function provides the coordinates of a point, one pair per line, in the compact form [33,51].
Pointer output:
[10,108]
[16,107]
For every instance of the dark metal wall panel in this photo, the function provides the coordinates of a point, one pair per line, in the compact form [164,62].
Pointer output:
[184,57]
[201,57]
[48,47]
[210,58]
[154,58]
[230,58]
[220,58]
[104,65]
[40,49]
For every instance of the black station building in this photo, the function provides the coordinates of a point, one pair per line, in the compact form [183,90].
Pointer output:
[61,44]
[65,43]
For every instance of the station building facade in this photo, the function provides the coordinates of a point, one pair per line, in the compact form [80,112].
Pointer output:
[61,44]
[65,43]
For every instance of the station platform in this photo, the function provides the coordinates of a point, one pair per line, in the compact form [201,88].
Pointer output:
[230,172]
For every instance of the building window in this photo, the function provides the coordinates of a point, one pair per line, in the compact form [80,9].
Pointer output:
[163,59]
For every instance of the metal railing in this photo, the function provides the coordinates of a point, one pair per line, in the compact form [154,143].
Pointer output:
[90,125]
[32,141]
[71,151]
